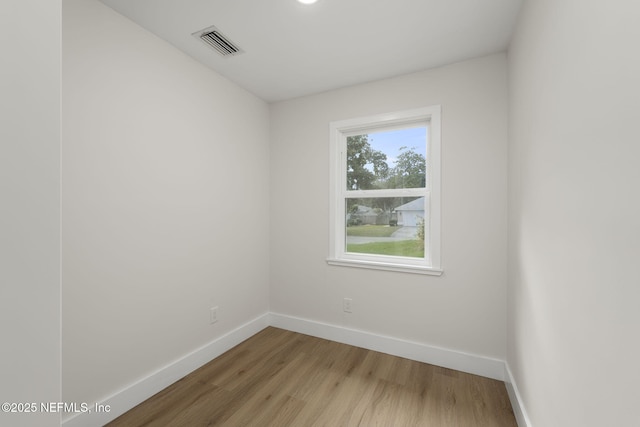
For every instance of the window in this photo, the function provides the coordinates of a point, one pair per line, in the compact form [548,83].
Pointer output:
[385,192]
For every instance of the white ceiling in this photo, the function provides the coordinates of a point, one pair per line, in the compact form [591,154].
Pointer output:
[291,50]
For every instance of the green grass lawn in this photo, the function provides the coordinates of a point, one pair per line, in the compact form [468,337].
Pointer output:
[371,230]
[409,248]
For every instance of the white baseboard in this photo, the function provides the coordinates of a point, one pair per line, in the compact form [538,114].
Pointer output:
[136,393]
[140,391]
[515,398]
[465,362]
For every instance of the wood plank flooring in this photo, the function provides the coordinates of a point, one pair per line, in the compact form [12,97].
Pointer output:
[280,378]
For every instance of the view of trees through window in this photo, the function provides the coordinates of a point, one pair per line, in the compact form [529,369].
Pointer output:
[386,162]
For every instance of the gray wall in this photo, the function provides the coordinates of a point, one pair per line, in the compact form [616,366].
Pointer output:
[574,212]
[164,203]
[465,308]
[30,208]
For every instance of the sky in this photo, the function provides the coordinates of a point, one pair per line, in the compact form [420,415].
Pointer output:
[389,142]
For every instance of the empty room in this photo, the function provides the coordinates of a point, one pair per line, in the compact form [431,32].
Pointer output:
[329,213]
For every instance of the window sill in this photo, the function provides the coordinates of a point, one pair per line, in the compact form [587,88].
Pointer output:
[375,265]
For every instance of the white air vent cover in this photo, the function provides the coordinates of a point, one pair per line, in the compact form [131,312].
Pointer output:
[215,39]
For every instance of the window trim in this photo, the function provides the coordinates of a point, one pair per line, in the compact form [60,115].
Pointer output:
[339,130]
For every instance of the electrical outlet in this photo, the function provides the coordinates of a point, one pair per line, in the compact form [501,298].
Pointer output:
[213,315]
[346,305]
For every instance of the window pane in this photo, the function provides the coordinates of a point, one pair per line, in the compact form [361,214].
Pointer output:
[387,159]
[385,226]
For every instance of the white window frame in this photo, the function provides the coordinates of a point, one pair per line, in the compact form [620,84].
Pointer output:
[339,131]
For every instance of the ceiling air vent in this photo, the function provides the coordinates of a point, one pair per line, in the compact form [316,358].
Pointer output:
[215,39]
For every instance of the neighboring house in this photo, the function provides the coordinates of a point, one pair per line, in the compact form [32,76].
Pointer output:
[410,214]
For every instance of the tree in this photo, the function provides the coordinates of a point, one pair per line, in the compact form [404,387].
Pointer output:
[410,170]
[366,167]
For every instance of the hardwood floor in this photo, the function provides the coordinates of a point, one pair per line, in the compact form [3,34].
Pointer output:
[280,378]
